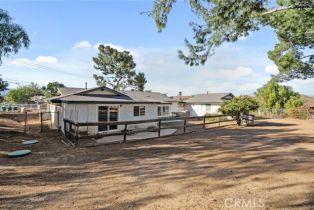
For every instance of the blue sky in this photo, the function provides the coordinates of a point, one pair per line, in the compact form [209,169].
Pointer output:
[65,34]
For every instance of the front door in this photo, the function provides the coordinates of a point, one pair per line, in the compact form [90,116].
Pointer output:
[107,114]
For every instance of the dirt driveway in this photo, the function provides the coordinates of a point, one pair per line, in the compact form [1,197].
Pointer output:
[269,166]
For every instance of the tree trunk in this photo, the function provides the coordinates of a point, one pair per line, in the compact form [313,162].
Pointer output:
[238,119]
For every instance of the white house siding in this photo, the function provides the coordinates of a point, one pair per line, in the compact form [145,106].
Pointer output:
[89,113]
[202,109]
[215,109]
[197,110]
[126,114]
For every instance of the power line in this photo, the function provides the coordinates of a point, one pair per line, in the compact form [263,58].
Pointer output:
[19,82]
[45,68]
[41,67]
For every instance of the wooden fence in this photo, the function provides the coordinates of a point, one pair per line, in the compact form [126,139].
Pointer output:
[73,134]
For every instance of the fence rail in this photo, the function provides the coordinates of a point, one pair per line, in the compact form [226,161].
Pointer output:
[73,134]
[12,107]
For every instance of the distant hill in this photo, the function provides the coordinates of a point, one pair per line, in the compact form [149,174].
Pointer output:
[308,100]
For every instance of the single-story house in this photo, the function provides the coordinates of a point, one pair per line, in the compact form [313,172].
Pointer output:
[178,106]
[105,105]
[201,104]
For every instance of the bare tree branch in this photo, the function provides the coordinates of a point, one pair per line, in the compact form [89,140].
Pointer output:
[307,56]
[292,7]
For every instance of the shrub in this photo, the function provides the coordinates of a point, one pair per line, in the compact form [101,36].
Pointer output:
[238,107]
[299,113]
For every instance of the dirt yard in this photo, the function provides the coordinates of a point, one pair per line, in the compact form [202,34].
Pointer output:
[269,166]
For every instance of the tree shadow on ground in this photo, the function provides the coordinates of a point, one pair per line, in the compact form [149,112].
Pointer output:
[226,157]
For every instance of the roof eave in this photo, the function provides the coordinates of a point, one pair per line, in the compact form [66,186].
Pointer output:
[110,102]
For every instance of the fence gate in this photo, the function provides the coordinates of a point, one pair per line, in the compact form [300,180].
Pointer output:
[49,121]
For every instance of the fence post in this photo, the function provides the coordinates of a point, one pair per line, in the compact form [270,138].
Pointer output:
[204,121]
[307,114]
[184,126]
[159,127]
[64,126]
[218,121]
[41,122]
[50,113]
[25,121]
[58,118]
[125,131]
[76,135]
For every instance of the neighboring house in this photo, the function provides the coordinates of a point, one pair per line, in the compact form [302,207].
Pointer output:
[178,106]
[201,104]
[104,104]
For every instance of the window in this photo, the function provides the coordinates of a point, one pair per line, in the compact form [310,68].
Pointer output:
[162,110]
[107,114]
[159,111]
[139,111]
[165,110]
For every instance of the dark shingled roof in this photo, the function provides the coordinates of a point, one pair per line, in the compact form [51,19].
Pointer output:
[209,98]
[69,90]
[147,96]
[87,96]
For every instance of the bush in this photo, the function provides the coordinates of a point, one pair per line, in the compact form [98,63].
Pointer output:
[298,113]
[238,107]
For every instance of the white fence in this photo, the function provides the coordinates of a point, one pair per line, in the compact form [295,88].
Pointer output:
[8,107]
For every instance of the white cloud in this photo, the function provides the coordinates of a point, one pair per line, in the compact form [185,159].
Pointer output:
[235,74]
[271,69]
[20,61]
[140,66]
[46,60]
[242,38]
[247,88]
[302,86]
[229,74]
[39,60]
[82,45]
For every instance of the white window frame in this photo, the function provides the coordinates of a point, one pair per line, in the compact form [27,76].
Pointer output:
[159,111]
[141,111]
[97,115]
[163,110]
